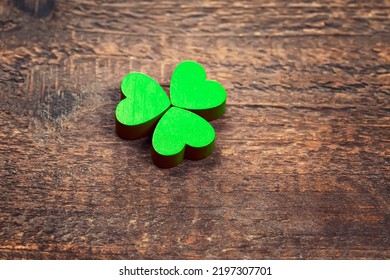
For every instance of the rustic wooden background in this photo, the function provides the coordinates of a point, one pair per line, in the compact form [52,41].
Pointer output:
[301,166]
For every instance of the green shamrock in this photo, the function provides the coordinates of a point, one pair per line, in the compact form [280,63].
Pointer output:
[180,124]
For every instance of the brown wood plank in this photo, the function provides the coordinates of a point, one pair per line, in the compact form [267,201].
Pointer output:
[301,166]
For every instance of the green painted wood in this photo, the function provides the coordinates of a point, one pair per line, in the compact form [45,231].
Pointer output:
[183,130]
[190,90]
[181,133]
[144,103]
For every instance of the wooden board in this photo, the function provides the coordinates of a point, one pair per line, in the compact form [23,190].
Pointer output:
[300,168]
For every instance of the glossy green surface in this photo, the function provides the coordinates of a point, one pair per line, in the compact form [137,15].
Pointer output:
[190,90]
[177,129]
[145,100]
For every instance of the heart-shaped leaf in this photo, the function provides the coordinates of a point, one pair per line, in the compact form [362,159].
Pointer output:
[181,133]
[190,90]
[144,103]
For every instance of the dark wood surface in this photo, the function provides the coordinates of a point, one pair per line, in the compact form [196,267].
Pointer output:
[301,166]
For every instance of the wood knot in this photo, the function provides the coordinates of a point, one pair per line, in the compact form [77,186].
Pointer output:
[36,8]
[55,105]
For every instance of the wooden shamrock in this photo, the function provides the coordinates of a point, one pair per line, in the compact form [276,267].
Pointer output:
[180,124]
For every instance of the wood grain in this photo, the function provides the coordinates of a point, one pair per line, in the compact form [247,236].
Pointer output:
[301,166]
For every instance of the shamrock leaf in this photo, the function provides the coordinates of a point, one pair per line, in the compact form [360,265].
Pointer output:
[181,133]
[144,103]
[190,90]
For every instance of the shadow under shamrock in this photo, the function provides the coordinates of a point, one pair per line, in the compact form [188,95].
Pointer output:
[139,150]
[135,152]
